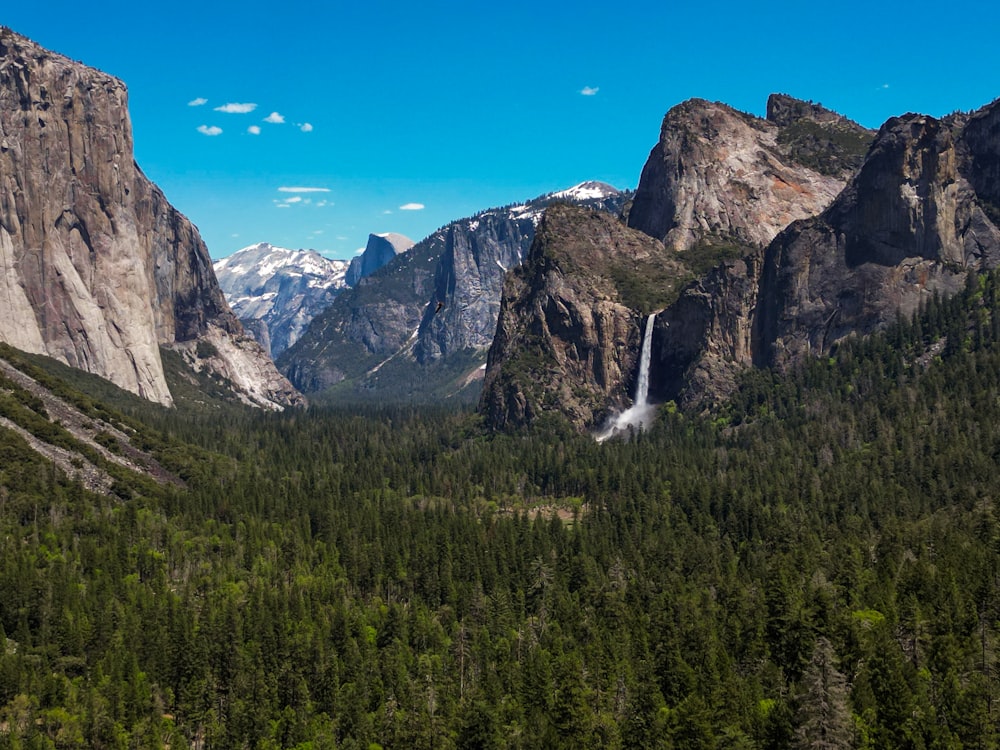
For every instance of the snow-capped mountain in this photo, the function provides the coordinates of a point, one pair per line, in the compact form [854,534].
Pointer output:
[591,194]
[276,292]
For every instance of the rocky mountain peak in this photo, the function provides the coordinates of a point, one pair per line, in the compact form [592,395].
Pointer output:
[381,249]
[784,110]
[718,175]
[276,292]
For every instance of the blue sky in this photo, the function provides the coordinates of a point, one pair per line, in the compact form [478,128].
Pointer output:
[455,107]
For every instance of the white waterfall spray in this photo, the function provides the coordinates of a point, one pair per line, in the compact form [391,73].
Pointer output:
[641,412]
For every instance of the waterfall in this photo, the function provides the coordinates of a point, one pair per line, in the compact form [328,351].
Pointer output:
[645,355]
[640,413]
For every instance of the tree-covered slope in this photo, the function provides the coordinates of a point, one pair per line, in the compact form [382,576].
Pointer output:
[816,560]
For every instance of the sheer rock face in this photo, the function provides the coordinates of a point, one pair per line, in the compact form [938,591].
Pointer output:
[921,214]
[704,341]
[915,221]
[380,250]
[469,282]
[438,300]
[96,268]
[716,172]
[567,341]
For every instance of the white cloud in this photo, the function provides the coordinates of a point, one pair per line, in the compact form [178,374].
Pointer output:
[342,238]
[303,190]
[306,127]
[317,231]
[282,205]
[207,130]
[590,90]
[275,118]
[412,207]
[294,199]
[254,130]
[197,102]
[324,202]
[236,109]
[386,212]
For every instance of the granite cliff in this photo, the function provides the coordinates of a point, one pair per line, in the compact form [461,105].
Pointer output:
[916,218]
[277,292]
[97,269]
[419,327]
[569,326]
[380,249]
[720,175]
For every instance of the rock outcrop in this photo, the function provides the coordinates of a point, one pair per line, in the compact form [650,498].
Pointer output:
[918,217]
[720,175]
[96,268]
[277,292]
[569,328]
[428,317]
[380,250]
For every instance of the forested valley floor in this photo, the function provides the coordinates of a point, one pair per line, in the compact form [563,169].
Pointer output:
[814,564]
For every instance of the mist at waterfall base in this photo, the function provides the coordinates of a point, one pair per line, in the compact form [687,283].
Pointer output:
[641,413]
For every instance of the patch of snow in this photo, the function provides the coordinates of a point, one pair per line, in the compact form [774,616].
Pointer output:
[586,191]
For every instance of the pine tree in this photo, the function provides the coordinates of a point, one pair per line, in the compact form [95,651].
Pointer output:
[823,718]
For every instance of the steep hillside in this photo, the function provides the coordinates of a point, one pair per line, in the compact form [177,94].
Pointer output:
[97,269]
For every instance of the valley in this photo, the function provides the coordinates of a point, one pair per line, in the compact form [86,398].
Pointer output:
[707,464]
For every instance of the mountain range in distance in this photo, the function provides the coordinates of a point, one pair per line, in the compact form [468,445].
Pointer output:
[757,241]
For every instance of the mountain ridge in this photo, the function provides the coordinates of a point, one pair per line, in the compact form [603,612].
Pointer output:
[431,312]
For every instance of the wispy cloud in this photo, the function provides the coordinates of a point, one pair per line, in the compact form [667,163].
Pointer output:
[275,118]
[254,130]
[236,109]
[306,127]
[282,205]
[303,190]
[590,90]
[412,207]
[386,212]
[324,202]
[209,130]
[197,102]
[294,199]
